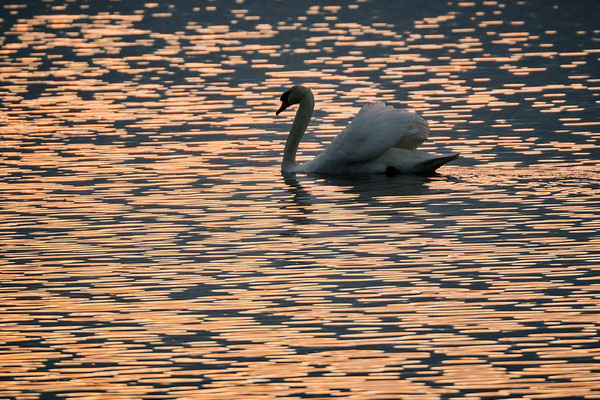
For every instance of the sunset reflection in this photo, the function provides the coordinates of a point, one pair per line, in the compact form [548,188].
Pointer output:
[152,248]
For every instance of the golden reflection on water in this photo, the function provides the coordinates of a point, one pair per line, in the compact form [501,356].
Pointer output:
[153,250]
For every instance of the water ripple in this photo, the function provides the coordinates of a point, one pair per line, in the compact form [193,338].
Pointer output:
[152,249]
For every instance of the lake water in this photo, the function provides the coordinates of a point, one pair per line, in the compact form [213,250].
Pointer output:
[151,248]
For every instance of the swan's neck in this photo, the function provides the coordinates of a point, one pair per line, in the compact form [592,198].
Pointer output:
[301,121]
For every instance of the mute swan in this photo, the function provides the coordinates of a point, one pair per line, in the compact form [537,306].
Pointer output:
[379,139]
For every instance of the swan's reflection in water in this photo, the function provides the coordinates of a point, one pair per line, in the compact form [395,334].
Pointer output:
[314,204]
[364,188]
[300,196]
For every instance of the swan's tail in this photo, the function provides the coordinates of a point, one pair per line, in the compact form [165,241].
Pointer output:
[430,165]
[404,161]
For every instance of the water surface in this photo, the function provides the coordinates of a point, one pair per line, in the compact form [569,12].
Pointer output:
[152,249]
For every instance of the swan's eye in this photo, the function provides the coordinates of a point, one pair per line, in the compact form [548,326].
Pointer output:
[285,97]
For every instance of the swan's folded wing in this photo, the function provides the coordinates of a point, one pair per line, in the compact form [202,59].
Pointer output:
[373,131]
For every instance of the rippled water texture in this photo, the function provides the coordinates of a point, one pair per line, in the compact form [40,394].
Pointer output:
[151,249]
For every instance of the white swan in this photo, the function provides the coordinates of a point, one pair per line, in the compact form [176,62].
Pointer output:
[380,139]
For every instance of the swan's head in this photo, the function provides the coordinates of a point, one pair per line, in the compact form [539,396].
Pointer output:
[292,96]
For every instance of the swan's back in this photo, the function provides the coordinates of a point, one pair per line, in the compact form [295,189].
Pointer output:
[373,131]
[409,128]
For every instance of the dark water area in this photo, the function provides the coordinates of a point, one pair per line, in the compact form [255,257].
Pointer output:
[151,248]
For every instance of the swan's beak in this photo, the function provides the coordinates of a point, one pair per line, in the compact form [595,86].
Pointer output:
[284,105]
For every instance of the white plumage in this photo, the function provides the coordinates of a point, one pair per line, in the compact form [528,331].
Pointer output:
[379,139]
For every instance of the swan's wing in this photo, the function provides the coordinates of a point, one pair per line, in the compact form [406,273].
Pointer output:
[373,131]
